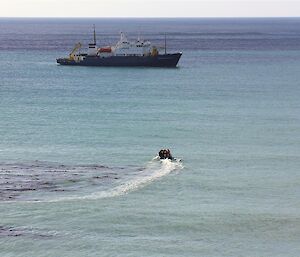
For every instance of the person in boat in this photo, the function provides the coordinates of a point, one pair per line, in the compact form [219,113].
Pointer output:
[165,154]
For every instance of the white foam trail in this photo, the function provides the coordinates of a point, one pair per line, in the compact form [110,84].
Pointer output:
[153,171]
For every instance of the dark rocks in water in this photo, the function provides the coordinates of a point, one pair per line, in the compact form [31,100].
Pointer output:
[104,177]
[18,180]
[47,183]
[58,190]
[93,167]
[56,170]
[29,181]
[101,177]
[16,232]
[20,189]
[9,231]
[73,180]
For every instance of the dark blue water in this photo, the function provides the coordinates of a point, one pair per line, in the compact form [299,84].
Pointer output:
[76,143]
[185,34]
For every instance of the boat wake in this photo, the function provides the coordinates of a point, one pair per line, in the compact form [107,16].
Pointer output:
[48,182]
[153,171]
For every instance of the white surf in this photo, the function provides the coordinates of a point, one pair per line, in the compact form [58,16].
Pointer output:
[153,171]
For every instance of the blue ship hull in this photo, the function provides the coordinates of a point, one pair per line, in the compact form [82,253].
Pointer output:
[161,60]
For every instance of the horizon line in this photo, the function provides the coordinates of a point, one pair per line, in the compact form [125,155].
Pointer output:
[150,17]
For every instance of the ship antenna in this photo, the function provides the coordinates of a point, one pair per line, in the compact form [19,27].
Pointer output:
[139,36]
[94,35]
[165,43]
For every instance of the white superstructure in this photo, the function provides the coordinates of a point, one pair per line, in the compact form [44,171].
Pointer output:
[124,47]
[136,48]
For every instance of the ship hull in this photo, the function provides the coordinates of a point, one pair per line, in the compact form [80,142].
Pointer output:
[161,60]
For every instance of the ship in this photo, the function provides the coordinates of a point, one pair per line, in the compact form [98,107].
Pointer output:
[125,53]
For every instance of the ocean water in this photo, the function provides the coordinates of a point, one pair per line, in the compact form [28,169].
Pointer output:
[77,175]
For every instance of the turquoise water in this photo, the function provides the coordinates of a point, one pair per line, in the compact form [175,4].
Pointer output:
[233,116]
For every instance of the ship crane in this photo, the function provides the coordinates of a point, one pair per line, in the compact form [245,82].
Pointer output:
[76,48]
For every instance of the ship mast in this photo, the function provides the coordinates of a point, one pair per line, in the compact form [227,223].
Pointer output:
[94,35]
[165,43]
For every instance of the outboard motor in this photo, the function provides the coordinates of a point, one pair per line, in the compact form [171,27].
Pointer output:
[165,154]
